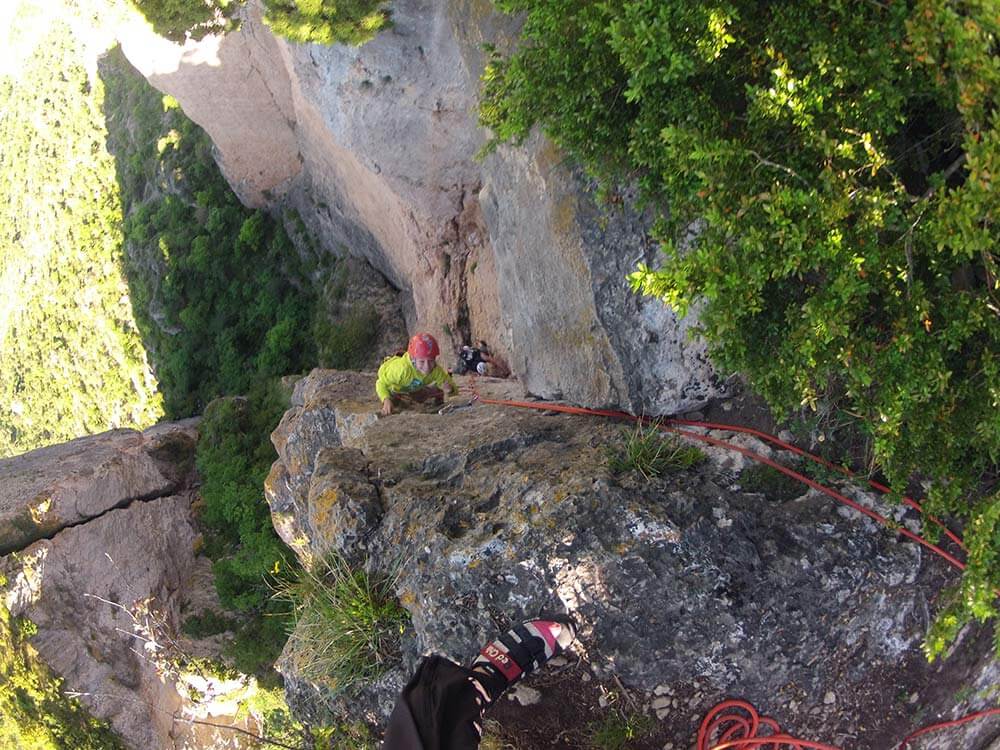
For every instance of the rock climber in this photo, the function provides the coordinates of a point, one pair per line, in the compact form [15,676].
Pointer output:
[413,376]
[479,361]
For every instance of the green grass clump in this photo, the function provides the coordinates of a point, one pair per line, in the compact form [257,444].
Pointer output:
[618,730]
[347,623]
[647,450]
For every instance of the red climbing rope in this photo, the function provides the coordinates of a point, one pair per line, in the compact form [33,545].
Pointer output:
[946,724]
[822,462]
[736,724]
[620,415]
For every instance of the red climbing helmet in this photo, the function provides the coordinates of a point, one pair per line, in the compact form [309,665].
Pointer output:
[423,346]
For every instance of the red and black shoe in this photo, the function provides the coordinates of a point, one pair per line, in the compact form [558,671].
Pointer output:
[520,651]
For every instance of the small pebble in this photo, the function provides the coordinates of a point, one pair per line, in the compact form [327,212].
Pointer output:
[558,661]
[786,436]
[524,695]
[830,698]
[661,702]
[662,690]
[914,697]
[602,701]
[585,677]
[669,746]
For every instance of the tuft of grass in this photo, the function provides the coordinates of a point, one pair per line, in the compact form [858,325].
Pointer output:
[347,622]
[650,452]
[617,730]
[772,483]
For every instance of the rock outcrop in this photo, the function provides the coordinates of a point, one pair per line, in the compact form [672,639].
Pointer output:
[103,569]
[498,513]
[375,147]
[49,489]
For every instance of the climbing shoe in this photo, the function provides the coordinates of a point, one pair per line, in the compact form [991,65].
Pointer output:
[520,651]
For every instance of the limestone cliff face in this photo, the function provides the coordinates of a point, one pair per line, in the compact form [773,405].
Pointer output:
[500,513]
[375,147]
[102,559]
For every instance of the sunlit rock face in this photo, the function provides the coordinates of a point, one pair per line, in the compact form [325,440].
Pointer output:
[375,147]
[51,488]
[102,561]
[493,514]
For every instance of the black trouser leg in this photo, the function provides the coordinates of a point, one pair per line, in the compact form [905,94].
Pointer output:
[437,710]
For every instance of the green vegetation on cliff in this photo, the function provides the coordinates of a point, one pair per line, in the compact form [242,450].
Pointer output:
[73,362]
[824,173]
[327,21]
[234,457]
[34,712]
[221,295]
[305,21]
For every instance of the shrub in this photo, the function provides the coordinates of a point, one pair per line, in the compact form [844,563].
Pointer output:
[345,341]
[828,171]
[347,622]
[178,19]
[649,451]
[206,624]
[327,21]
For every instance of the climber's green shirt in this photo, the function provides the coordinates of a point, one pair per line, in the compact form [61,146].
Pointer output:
[398,375]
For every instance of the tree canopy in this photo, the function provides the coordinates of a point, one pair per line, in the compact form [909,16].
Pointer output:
[824,176]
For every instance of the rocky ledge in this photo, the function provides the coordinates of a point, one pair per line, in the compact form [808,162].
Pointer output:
[689,588]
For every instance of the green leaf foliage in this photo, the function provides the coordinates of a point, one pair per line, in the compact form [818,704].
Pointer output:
[327,21]
[234,456]
[73,362]
[824,177]
[220,293]
[179,19]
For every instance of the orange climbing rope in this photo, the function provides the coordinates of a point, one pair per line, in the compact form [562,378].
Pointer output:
[735,723]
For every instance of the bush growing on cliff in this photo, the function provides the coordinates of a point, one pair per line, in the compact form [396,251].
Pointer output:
[34,712]
[327,21]
[178,19]
[234,456]
[829,173]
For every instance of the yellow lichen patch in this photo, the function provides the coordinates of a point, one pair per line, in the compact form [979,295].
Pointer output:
[407,599]
[322,506]
[39,510]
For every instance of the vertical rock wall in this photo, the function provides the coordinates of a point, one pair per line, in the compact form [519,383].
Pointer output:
[376,147]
